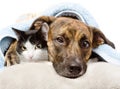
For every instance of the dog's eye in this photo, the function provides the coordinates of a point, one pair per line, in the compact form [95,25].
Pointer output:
[85,44]
[60,39]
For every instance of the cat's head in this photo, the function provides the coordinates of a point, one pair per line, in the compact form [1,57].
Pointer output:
[32,44]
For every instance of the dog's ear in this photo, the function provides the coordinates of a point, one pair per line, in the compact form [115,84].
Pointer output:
[44,30]
[99,38]
[42,23]
[36,25]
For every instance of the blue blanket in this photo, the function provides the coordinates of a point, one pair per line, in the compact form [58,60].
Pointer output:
[105,51]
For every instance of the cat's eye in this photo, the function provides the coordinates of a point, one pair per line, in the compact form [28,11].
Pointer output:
[38,46]
[23,48]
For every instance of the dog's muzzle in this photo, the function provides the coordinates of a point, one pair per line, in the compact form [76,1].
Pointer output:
[74,70]
[71,68]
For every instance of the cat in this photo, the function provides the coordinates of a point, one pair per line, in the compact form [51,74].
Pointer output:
[31,46]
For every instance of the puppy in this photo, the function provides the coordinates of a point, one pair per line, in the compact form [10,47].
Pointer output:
[70,43]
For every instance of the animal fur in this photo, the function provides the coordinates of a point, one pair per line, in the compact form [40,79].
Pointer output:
[13,55]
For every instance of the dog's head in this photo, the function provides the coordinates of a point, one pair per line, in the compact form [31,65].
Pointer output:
[70,43]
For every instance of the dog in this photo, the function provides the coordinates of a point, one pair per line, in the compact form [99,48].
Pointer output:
[70,43]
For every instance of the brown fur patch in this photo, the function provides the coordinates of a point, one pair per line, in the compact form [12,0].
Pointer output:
[10,57]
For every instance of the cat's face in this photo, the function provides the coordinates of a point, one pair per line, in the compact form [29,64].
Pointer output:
[31,46]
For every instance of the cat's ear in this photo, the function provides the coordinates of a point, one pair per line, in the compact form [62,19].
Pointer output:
[18,32]
[44,30]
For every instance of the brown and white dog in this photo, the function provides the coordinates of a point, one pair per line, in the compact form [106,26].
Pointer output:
[70,43]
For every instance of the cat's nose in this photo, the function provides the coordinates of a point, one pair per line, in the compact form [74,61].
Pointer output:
[31,56]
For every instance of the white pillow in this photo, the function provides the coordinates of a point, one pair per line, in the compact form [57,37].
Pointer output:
[43,76]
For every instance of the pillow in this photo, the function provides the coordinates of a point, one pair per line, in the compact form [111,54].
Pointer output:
[42,75]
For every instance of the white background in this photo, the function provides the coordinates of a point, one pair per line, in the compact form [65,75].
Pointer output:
[106,13]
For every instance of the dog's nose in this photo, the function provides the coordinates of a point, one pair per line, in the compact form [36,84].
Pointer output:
[74,69]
